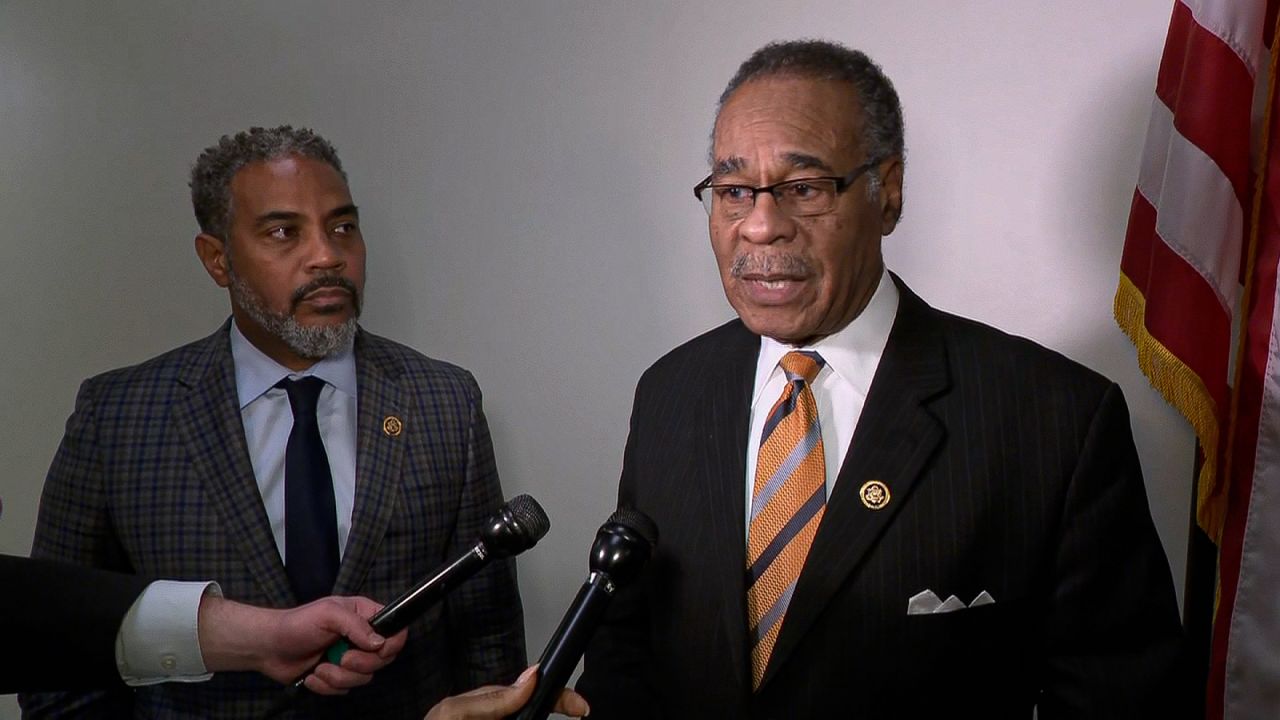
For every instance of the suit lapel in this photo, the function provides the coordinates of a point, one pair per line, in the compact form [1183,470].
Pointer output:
[379,455]
[208,421]
[725,418]
[894,438]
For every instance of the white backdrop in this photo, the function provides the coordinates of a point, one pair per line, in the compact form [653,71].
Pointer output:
[524,173]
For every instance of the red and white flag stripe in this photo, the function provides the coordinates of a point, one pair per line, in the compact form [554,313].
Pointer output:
[1201,256]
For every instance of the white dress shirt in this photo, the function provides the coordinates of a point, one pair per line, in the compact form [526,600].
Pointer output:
[852,355]
[158,639]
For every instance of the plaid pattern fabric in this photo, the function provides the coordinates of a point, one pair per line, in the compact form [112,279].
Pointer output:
[153,476]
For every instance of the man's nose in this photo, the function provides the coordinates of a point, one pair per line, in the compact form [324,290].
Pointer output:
[324,250]
[766,222]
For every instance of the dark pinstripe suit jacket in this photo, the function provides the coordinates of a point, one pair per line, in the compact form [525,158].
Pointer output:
[1011,470]
[153,476]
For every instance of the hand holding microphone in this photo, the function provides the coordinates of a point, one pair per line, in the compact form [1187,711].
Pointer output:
[515,527]
[621,548]
[495,702]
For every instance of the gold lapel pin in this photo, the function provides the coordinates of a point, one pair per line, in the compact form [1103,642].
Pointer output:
[874,494]
[392,426]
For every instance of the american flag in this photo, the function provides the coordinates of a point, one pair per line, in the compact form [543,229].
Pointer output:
[1197,297]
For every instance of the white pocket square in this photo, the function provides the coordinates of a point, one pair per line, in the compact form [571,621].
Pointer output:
[926,602]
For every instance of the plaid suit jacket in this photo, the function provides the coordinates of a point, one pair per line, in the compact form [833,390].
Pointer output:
[153,476]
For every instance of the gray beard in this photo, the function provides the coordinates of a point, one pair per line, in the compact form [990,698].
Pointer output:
[313,342]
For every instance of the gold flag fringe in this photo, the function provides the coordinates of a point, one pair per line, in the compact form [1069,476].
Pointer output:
[1186,392]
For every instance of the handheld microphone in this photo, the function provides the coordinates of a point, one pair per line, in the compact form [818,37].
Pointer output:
[515,527]
[621,548]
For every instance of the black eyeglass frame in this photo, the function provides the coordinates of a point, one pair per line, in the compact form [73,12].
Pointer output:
[842,184]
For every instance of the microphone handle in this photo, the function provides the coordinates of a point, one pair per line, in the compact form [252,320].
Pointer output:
[567,645]
[397,614]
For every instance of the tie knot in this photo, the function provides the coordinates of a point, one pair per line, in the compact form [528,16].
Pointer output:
[804,365]
[303,394]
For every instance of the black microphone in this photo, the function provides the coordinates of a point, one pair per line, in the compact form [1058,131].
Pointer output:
[514,528]
[622,546]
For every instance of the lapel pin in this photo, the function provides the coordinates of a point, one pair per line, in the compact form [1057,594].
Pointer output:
[874,494]
[392,426]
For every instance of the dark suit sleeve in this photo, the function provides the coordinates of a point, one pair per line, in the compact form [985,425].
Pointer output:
[60,622]
[485,616]
[616,678]
[74,526]
[1113,637]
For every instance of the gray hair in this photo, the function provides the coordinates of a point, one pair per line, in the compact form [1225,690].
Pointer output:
[882,132]
[218,164]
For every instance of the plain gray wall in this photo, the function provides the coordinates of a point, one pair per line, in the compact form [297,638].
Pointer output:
[524,173]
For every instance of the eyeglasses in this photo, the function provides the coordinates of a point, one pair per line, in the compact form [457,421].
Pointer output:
[801,197]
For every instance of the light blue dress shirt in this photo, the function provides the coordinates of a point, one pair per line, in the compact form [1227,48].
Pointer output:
[268,419]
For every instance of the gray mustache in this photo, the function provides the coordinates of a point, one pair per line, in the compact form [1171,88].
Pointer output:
[325,282]
[768,265]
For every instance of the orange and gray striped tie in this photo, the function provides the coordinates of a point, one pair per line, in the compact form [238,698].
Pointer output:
[786,505]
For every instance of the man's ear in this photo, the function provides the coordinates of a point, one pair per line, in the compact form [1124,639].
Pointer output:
[890,194]
[213,255]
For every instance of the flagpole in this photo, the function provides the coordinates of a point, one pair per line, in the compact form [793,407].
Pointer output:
[1199,592]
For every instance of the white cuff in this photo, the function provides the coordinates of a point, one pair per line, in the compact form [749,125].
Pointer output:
[159,640]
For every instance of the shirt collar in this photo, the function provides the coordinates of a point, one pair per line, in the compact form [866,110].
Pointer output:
[257,373]
[852,353]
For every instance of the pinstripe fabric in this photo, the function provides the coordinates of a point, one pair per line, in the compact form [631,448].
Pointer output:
[153,476]
[787,503]
[1011,470]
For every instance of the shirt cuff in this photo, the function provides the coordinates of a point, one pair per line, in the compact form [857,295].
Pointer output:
[159,640]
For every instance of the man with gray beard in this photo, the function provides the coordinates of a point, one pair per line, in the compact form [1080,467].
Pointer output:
[287,456]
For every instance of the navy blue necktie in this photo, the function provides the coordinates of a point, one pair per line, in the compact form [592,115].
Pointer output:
[310,517]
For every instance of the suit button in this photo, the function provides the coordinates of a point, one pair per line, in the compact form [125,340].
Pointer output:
[168,662]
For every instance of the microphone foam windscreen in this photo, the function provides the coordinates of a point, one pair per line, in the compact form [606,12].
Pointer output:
[644,526]
[530,515]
